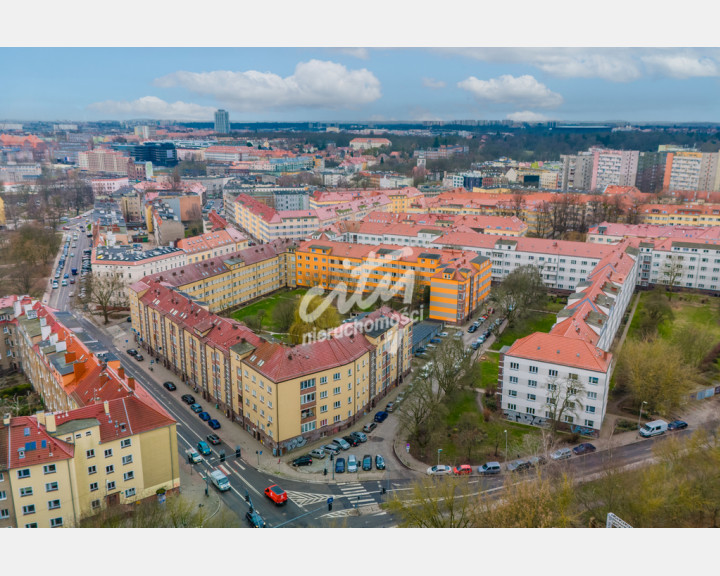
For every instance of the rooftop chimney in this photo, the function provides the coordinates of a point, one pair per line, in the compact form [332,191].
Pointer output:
[106,406]
[70,357]
[131,382]
[121,373]
[79,369]
[50,423]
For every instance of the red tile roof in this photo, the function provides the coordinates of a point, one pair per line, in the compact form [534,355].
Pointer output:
[26,437]
[558,349]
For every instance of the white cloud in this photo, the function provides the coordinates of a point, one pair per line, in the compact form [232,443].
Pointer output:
[432,83]
[527,116]
[681,65]
[522,90]
[315,84]
[361,53]
[613,64]
[153,107]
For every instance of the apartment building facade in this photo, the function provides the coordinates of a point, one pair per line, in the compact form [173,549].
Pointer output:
[130,264]
[103,161]
[614,168]
[212,244]
[689,170]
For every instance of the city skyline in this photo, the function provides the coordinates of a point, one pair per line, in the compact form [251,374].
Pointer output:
[362,84]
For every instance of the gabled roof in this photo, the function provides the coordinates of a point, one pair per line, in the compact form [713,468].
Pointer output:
[558,349]
[26,443]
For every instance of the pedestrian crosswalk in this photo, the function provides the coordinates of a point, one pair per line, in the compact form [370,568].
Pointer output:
[303,499]
[356,494]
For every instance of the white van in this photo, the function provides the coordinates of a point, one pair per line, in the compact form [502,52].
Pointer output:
[220,480]
[654,428]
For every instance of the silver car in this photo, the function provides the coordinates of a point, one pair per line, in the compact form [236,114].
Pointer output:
[333,449]
[318,453]
[561,454]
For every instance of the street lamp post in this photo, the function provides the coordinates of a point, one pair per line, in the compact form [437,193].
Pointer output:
[505,432]
[640,414]
[439,450]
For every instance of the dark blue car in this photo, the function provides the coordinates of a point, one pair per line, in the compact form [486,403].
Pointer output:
[340,465]
[381,416]
[204,416]
[214,424]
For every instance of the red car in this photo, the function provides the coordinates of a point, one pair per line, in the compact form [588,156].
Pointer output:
[276,494]
[462,469]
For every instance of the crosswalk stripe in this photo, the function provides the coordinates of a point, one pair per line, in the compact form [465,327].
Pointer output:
[224,470]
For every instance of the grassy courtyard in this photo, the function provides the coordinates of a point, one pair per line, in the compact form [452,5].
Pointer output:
[267,304]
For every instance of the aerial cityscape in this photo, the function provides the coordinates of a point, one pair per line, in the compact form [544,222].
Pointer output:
[329,288]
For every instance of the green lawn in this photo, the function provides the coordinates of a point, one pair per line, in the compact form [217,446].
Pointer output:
[266,304]
[489,370]
[537,322]
[691,310]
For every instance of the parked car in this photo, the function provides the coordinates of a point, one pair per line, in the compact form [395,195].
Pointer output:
[489,468]
[196,408]
[187,398]
[463,469]
[379,462]
[169,385]
[435,341]
[458,334]
[369,427]
[359,436]
[305,460]
[350,439]
[439,470]
[254,519]
[132,352]
[420,350]
[381,416]
[472,329]
[536,461]
[367,462]
[561,454]
[475,345]
[214,424]
[204,416]
[518,465]
[654,428]
[584,448]
[442,335]
[203,448]
[340,465]
[390,407]
[318,453]
[276,494]
[342,443]
[214,439]
[677,425]
[139,357]
[431,346]
[352,463]
[331,449]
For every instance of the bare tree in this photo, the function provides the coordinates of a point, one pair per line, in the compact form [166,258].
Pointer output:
[672,269]
[563,396]
[107,293]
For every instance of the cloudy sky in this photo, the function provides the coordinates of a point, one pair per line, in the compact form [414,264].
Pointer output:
[342,84]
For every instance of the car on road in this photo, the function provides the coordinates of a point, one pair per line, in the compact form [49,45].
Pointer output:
[341,443]
[536,461]
[254,519]
[203,448]
[352,463]
[462,469]
[359,436]
[72,280]
[369,427]
[584,448]
[472,329]
[489,468]
[305,460]
[379,462]
[276,494]
[340,465]
[63,283]
[66,276]
[434,341]
[204,416]
[139,357]
[475,345]
[214,424]
[214,439]
[561,454]
[677,425]
[380,416]
[132,352]
[439,470]
[367,462]
[317,453]
[169,385]
[333,449]
[518,465]
[187,398]
[481,339]
[196,408]
[350,439]
[390,407]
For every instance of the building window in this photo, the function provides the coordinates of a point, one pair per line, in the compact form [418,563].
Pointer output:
[49,469]
[553,372]
[111,485]
[568,419]
[572,376]
[109,469]
[513,379]
[592,395]
[4,514]
[53,504]
[336,391]
[323,379]
[533,369]
[108,453]
[323,394]
[512,393]
[127,459]
[90,454]
[531,396]
[130,492]
[3,495]
[125,443]
[128,475]
[29,509]
[26,492]
[51,487]
[590,423]
[305,384]
[92,469]
[337,418]
[529,410]
[56,522]
[590,409]
[593,380]
[95,504]
[31,525]
[336,376]
[532,383]
[336,404]
[24,473]
[323,408]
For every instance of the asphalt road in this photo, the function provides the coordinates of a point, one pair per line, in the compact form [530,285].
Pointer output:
[60,297]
